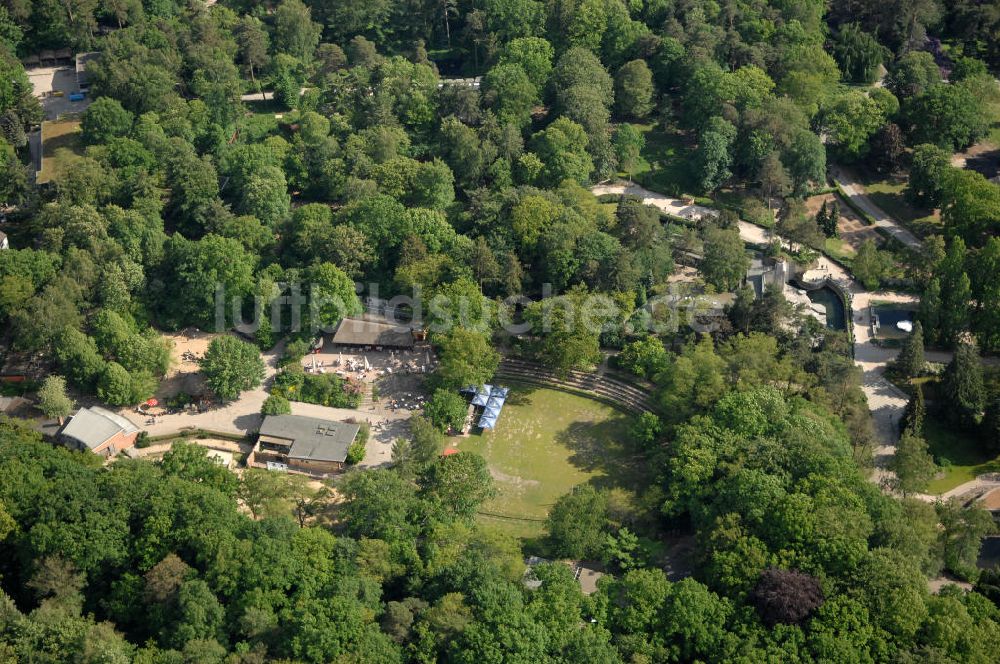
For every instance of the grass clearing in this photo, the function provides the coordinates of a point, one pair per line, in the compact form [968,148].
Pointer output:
[61,141]
[890,194]
[957,452]
[839,250]
[663,164]
[960,452]
[547,442]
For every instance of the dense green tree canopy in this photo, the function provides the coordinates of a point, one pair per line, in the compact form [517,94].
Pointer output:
[369,152]
[232,366]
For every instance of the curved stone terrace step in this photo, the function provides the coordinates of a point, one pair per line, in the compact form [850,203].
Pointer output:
[592,381]
[625,396]
[616,390]
[626,405]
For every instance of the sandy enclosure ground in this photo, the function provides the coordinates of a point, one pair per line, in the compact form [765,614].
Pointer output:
[158,449]
[45,80]
[852,229]
[184,374]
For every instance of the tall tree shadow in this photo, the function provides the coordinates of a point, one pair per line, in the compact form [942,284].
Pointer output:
[603,448]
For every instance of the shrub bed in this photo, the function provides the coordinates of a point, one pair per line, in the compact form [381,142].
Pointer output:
[323,389]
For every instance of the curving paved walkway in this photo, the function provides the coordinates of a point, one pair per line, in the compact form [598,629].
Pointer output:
[886,401]
[855,191]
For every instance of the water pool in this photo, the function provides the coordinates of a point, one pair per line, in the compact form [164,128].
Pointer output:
[887,319]
[836,316]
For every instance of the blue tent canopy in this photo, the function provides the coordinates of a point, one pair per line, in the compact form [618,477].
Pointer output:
[468,389]
[491,399]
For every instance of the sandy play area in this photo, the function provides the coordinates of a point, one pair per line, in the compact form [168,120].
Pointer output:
[184,375]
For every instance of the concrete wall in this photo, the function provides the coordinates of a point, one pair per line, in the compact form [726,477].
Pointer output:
[315,467]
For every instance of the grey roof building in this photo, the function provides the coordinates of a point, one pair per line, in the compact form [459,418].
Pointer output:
[309,439]
[99,430]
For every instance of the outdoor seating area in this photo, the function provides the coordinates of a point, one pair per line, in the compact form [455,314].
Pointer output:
[408,401]
[368,363]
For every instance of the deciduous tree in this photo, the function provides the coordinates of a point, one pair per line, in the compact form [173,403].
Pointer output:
[858,53]
[929,165]
[562,149]
[578,521]
[509,90]
[295,32]
[52,398]
[105,119]
[533,54]
[466,358]
[568,329]
[446,409]
[912,464]
[950,116]
[713,156]
[628,143]
[634,90]
[726,261]
[786,597]
[458,483]
[232,366]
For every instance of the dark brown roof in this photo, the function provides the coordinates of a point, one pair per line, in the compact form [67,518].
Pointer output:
[371,332]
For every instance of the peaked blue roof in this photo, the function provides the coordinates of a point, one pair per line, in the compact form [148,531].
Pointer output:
[492,399]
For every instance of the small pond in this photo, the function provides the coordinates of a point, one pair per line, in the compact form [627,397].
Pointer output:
[836,317]
[888,317]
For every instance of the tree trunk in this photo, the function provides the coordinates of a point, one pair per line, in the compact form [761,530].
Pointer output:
[254,79]
[447,26]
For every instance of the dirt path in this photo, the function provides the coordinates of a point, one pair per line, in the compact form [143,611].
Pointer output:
[671,206]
